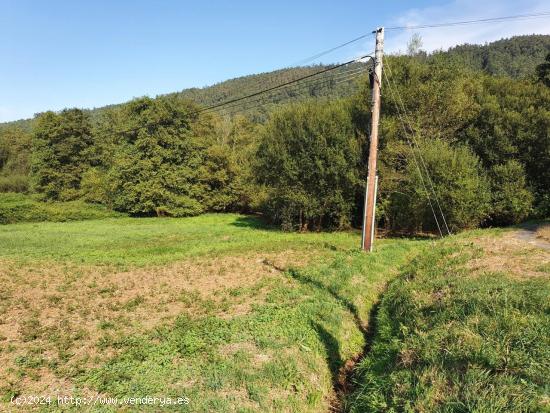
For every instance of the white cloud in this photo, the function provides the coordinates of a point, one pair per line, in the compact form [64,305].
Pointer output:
[460,10]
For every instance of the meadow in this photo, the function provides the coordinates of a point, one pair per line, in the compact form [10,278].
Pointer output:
[237,316]
[226,311]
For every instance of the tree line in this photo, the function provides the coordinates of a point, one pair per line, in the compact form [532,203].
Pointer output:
[484,139]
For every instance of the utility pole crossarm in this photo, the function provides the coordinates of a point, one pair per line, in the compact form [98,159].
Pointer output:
[372,178]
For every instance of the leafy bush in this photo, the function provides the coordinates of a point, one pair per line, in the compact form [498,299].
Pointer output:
[542,207]
[14,160]
[220,175]
[513,122]
[157,167]
[60,150]
[511,201]
[23,208]
[308,159]
[94,186]
[14,183]
[458,180]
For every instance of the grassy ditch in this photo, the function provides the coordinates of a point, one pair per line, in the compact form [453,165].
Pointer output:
[464,328]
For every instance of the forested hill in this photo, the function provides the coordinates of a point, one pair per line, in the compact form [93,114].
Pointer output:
[333,84]
[336,83]
[516,57]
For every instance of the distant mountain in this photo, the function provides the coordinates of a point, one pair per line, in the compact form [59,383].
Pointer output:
[516,57]
[335,83]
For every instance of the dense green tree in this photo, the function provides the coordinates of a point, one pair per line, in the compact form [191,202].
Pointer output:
[460,188]
[227,166]
[543,71]
[308,159]
[432,98]
[220,171]
[511,201]
[15,149]
[158,163]
[498,118]
[513,122]
[425,101]
[60,153]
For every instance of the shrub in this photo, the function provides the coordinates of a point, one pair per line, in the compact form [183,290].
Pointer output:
[219,175]
[94,187]
[158,164]
[15,145]
[24,208]
[511,201]
[60,149]
[14,183]
[180,206]
[542,207]
[458,180]
[308,160]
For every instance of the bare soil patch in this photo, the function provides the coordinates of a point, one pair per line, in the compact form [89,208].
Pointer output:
[543,232]
[511,254]
[54,316]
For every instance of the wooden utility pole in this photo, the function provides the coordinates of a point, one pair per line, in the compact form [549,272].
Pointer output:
[372,179]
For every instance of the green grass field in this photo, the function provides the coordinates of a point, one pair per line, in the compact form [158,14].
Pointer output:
[236,316]
[464,328]
[240,317]
[152,241]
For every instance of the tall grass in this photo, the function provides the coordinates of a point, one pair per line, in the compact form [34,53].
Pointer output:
[14,183]
[15,207]
[449,340]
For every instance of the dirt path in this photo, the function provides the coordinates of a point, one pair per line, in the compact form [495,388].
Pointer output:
[528,233]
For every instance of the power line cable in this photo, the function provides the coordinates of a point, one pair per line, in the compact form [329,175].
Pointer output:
[328,51]
[408,119]
[415,160]
[476,21]
[426,26]
[243,110]
[351,77]
[339,78]
[299,86]
[261,92]
[284,84]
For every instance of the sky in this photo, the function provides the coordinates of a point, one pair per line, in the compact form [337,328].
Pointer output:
[59,53]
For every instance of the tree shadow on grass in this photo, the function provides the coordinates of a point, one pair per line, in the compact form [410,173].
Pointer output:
[332,348]
[342,371]
[350,306]
[253,222]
